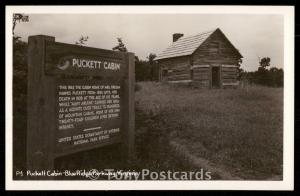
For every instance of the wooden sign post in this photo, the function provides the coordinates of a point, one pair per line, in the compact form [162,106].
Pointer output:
[79,98]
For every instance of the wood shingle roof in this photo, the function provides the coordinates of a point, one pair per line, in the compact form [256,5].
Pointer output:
[185,46]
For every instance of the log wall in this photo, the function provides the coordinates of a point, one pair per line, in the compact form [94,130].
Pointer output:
[229,76]
[177,69]
[202,76]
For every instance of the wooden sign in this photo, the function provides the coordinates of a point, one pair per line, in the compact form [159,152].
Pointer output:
[79,98]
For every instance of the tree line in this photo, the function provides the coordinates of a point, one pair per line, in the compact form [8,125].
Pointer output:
[148,70]
[272,77]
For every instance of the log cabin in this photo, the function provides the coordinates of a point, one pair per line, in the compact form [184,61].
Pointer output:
[208,60]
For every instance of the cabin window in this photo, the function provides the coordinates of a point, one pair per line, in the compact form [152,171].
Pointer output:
[192,74]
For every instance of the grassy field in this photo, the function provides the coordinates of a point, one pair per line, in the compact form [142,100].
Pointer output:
[240,130]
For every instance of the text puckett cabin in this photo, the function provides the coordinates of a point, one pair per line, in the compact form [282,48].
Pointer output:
[79,98]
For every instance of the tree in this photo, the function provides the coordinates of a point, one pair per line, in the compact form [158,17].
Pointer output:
[153,67]
[17,18]
[151,58]
[141,70]
[146,70]
[19,47]
[261,75]
[82,40]
[264,62]
[239,69]
[120,47]
[240,73]
[19,100]
[276,77]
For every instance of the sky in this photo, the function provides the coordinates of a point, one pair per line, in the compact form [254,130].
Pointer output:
[254,35]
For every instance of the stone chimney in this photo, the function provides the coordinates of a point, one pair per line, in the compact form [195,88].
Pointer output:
[176,36]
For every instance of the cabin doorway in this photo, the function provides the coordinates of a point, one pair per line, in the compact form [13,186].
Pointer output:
[215,78]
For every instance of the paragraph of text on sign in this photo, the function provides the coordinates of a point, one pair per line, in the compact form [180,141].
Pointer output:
[87,103]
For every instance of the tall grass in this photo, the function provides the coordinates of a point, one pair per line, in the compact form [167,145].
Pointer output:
[240,129]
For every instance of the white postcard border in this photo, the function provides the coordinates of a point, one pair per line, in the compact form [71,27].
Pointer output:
[288,152]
